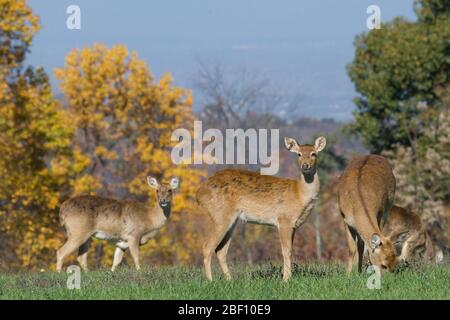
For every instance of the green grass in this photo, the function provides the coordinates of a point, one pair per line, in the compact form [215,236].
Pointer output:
[312,281]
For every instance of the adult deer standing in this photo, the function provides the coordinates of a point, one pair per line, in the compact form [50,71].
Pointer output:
[366,193]
[230,195]
[127,222]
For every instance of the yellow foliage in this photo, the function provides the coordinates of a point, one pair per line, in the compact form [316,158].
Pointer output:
[125,119]
[18,25]
[37,160]
[36,167]
[114,132]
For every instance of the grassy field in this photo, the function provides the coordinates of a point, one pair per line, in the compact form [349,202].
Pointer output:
[313,281]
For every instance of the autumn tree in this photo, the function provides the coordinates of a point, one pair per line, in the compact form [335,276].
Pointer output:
[422,171]
[125,119]
[18,25]
[37,163]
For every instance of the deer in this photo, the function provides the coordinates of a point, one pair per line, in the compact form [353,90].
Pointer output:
[233,194]
[128,223]
[366,192]
[408,233]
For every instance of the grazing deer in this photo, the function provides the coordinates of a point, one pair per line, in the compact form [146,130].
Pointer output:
[366,193]
[127,222]
[407,232]
[230,195]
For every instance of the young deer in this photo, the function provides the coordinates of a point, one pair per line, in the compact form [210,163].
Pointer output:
[129,223]
[407,232]
[230,195]
[366,193]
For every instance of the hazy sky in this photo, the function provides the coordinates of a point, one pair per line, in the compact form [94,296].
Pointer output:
[303,47]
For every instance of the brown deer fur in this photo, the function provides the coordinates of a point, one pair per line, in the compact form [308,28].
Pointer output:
[127,222]
[366,193]
[407,232]
[230,195]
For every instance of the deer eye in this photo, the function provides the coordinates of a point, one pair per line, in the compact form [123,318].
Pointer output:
[299,154]
[313,154]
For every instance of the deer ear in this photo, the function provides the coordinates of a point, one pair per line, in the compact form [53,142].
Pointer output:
[320,144]
[174,183]
[375,241]
[152,182]
[291,144]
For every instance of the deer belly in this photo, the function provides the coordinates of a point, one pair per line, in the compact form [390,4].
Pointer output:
[101,235]
[247,217]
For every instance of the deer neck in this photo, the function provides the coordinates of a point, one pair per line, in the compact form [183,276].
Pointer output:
[158,214]
[166,210]
[309,184]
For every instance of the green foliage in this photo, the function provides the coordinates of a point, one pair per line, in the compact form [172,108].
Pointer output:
[431,10]
[396,67]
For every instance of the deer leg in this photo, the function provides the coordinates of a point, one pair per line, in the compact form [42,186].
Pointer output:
[404,256]
[222,250]
[118,256]
[351,240]
[73,243]
[360,245]
[82,255]
[414,247]
[286,232]
[213,243]
[134,250]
